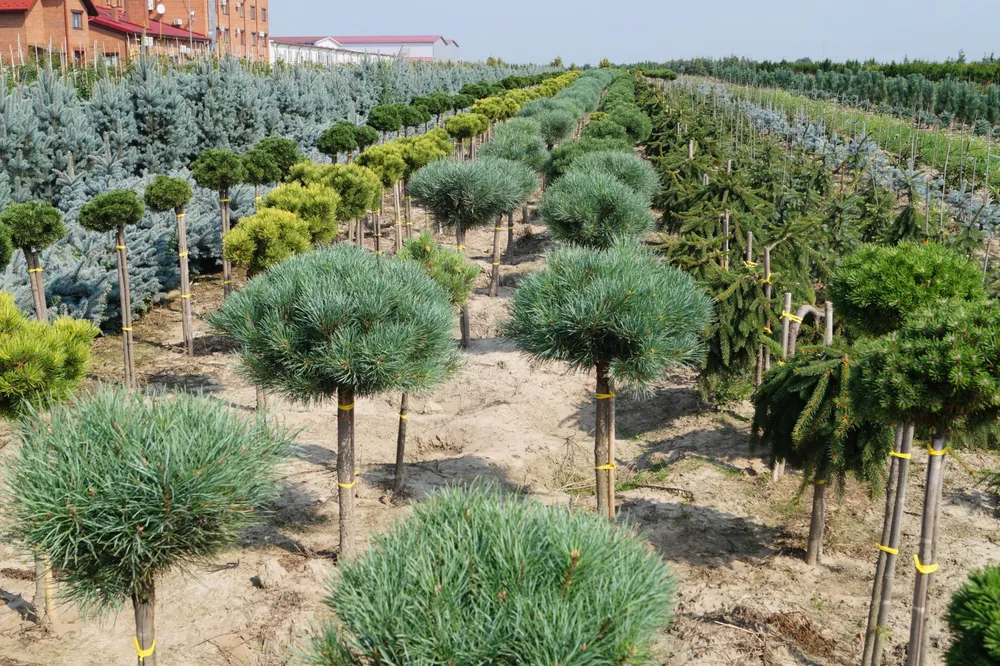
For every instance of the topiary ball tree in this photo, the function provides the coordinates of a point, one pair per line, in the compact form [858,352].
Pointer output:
[341,322]
[520,181]
[450,269]
[364,136]
[555,126]
[593,209]
[266,238]
[527,583]
[389,165]
[437,103]
[283,152]
[634,120]
[173,194]
[220,170]
[34,226]
[418,152]
[627,168]
[466,126]
[465,194]
[621,312]
[563,156]
[113,211]
[941,371]
[262,169]
[339,138]
[385,118]
[359,189]
[412,117]
[41,364]
[605,129]
[315,203]
[113,489]
[974,619]
[461,102]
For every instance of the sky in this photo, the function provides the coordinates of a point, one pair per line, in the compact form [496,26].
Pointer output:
[635,30]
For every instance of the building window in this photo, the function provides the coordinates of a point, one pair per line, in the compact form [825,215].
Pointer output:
[263,14]
[225,8]
[243,39]
[242,9]
[253,12]
[78,20]
[253,39]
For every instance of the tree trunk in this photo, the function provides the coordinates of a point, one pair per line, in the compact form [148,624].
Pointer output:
[360,235]
[463,319]
[890,498]
[377,221]
[227,266]
[182,253]
[396,216]
[925,640]
[495,266]
[409,214]
[346,478]
[144,606]
[510,239]
[261,400]
[126,305]
[603,462]
[524,214]
[924,559]
[44,591]
[404,405]
[814,551]
[37,285]
[725,241]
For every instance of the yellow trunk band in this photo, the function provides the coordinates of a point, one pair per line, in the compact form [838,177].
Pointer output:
[925,569]
[933,452]
[181,214]
[182,254]
[402,416]
[346,408]
[348,485]
[790,317]
[904,456]
[605,468]
[128,328]
[886,549]
[143,653]
[119,247]
[750,264]
[34,270]
[605,396]
[185,295]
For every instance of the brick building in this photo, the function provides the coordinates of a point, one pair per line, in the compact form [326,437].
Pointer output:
[118,28]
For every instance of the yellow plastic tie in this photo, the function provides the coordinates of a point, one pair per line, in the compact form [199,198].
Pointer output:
[143,653]
[409,224]
[749,264]
[459,247]
[886,549]
[925,569]
[224,200]
[498,228]
[227,282]
[34,270]
[258,199]
[608,467]
[904,456]
[346,408]
[402,416]
[181,214]
[790,317]
[781,362]
[126,328]
[605,396]
[182,254]
[932,452]
[961,462]
[820,482]
[185,295]
[119,247]
[767,329]
[496,263]
[348,485]
[766,280]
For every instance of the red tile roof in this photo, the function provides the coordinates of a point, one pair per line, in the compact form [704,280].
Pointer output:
[390,39]
[155,28]
[16,5]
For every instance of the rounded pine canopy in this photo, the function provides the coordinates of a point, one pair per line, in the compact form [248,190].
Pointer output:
[341,318]
[594,209]
[108,210]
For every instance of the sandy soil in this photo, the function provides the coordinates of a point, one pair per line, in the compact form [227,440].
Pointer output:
[735,540]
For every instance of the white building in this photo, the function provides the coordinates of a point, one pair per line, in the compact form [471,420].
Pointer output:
[317,50]
[411,47]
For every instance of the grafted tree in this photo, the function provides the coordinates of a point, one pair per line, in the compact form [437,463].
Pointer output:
[220,170]
[555,126]
[520,181]
[315,203]
[627,168]
[387,162]
[341,322]
[974,619]
[283,152]
[32,227]
[358,187]
[621,312]
[173,194]
[364,136]
[113,490]
[262,169]
[466,126]
[113,211]
[594,209]
[385,118]
[264,239]
[341,137]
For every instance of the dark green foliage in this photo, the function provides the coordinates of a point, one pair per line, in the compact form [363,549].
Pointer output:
[555,126]
[107,211]
[6,246]
[605,129]
[118,488]
[218,170]
[461,102]
[594,209]
[804,413]
[875,288]
[167,194]
[264,239]
[284,152]
[446,266]
[34,225]
[941,368]
[476,576]
[562,156]
[624,307]
[341,318]
[627,168]
[41,364]
[413,116]
[636,123]
[365,136]
[437,103]
[974,619]
[468,193]
[261,167]
[385,118]
[340,138]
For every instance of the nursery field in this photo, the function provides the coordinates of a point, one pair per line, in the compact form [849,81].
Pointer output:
[734,539]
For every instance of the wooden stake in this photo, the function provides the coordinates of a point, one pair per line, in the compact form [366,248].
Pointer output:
[495,266]
[397,479]
[182,252]
[144,606]
[227,266]
[602,453]
[126,306]
[346,474]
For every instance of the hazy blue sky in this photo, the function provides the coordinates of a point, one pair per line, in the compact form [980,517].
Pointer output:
[631,30]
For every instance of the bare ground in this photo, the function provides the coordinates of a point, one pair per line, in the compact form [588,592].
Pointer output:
[734,539]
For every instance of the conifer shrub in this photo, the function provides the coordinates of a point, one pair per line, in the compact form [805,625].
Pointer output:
[34,226]
[166,194]
[634,120]
[261,167]
[875,288]
[561,157]
[314,203]
[555,126]
[419,151]
[385,118]
[974,619]
[283,151]
[461,102]
[341,322]
[119,490]
[477,576]
[605,129]
[219,170]
[6,246]
[527,148]
[266,238]
[593,209]
[627,168]
[365,136]
[386,161]
[436,103]
[466,126]
[623,313]
[341,137]
[412,116]
[359,187]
